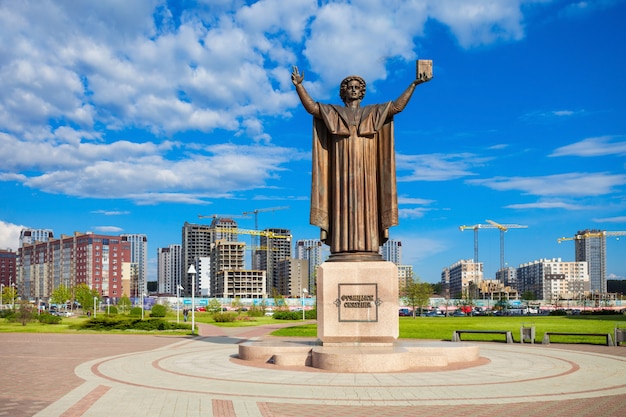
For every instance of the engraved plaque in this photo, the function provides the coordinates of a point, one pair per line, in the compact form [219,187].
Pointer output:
[358,302]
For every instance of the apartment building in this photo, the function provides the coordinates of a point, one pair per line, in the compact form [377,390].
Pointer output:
[553,279]
[92,259]
[457,277]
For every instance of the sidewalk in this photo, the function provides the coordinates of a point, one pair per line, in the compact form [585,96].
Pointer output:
[113,375]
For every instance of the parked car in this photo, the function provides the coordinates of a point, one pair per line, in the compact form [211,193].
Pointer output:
[458,313]
[404,312]
[435,313]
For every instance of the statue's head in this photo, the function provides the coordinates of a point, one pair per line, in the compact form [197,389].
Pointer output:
[343,88]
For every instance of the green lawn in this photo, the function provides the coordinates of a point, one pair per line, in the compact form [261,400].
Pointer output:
[200,317]
[441,328]
[437,328]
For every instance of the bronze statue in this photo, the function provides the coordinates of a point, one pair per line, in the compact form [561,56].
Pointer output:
[353,191]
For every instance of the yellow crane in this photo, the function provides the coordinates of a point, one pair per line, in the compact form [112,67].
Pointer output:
[503,229]
[256,212]
[589,233]
[491,225]
[262,210]
[222,216]
[476,228]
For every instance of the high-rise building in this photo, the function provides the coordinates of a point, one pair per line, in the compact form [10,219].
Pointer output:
[92,259]
[391,251]
[293,277]
[8,263]
[276,244]
[31,236]
[590,247]
[507,276]
[229,278]
[169,269]
[196,243]
[311,250]
[459,277]
[405,275]
[139,255]
[552,280]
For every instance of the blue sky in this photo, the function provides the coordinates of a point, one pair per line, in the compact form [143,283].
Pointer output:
[134,117]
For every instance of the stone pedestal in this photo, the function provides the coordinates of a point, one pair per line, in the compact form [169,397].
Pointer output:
[357,303]
[358,327]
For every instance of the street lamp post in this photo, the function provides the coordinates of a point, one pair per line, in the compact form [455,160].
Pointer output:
[95,299]
[192,271]
[142,295]
[1,294]
[304,293]
[178,288]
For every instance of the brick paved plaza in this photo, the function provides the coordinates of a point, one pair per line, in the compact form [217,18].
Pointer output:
[142,375]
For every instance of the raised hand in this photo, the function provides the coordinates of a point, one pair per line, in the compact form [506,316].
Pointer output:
[296,77]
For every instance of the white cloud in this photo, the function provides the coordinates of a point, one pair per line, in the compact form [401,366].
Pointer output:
[597,146]
[616,219]
[545,205]
[437,167]
[480,22]
[109,229]
[10,235]
[111,212]
[576,184]
[76,74]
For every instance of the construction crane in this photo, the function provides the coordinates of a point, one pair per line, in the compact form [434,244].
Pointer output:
[491,225]
[588,234]
[503,228]
[475,228]
[263,210]
[223,216]
[256,212]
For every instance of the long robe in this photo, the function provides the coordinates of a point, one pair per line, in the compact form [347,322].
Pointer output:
[353,192]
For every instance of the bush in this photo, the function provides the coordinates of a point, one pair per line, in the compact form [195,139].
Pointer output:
[224,317]
[158,310]
[48,319]
[135,311]
[7,314]
[112,310]
[106,323]
[288,315]
[256,312]
[311,314]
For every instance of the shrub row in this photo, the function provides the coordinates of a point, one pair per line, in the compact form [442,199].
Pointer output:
[295,315]
[107,323]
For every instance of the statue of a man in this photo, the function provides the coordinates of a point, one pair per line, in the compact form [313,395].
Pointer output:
[353,192]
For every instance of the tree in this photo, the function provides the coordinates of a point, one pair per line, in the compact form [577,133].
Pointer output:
[124,304]
[236,304]
[9,295]
[214,305]
[85,295]
[158,310]
[25,312]
[61,295]
[416,294]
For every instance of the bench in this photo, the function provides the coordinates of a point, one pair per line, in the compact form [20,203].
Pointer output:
[456,335]
[546,336]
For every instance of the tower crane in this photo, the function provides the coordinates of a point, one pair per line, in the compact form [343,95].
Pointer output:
[588,234]
[491,225]
[256,212]
[476,227]
[263,210]
[225,216]
[503,228]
